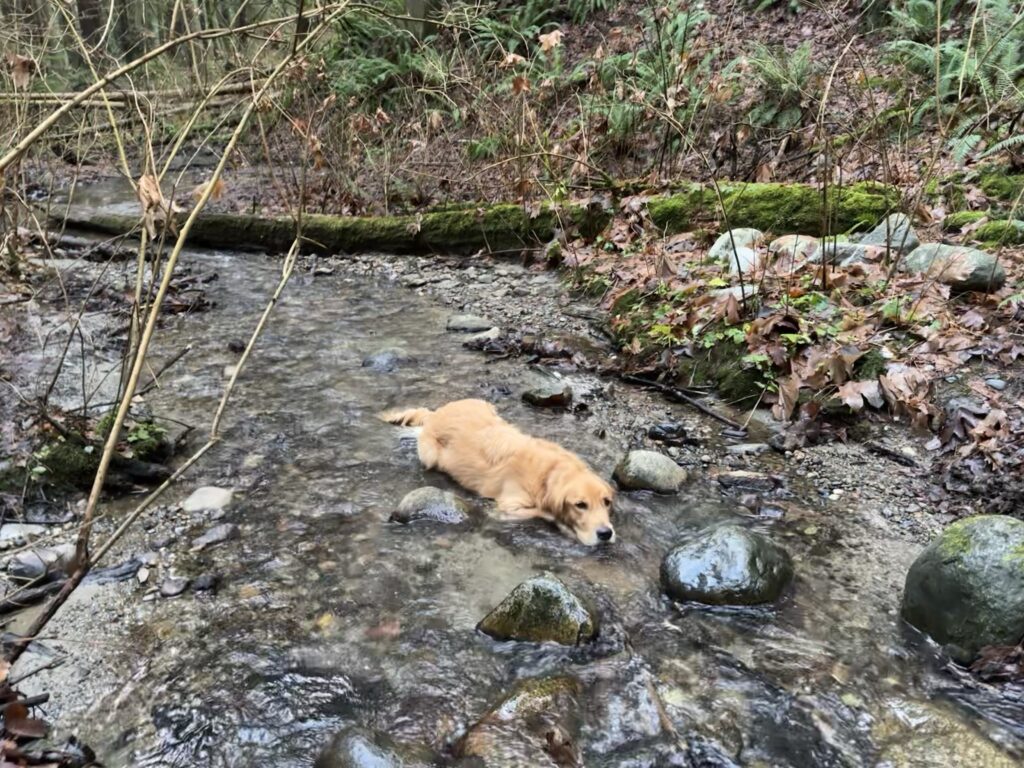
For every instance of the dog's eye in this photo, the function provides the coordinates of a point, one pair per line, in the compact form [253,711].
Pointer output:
[580,505]
[607,502]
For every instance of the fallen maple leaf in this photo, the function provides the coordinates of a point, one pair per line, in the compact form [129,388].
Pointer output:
[789,391]
[551,40]
[854,393]
[520,84]
[512,60]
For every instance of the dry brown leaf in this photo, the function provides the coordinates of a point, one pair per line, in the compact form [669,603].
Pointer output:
[512,60]
[855,393]
[789,391]
[22,68]
[520,84]
[550,41]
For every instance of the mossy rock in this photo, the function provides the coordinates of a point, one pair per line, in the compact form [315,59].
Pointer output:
[966,589]
[722,367]
[999,185]
[148,441]
[64,463]
[957,220]
[791,208]
[1000,232]
[542,609]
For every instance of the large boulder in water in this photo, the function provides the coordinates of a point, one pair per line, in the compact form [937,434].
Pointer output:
[966,589]
[532,727]
[727,565]
[649,471]
[542,609]
[960,267]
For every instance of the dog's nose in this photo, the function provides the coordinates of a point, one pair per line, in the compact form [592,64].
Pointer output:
[605,534]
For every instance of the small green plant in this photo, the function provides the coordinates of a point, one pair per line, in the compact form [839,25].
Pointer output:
[787,80]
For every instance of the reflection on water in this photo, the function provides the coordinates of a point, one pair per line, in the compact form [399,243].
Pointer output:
[331,616]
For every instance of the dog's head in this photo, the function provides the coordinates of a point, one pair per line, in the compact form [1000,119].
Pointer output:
[580,503]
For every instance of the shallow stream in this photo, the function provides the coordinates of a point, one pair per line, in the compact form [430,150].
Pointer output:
[328,616]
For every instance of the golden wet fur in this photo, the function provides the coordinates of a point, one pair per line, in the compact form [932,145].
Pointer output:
[526,476]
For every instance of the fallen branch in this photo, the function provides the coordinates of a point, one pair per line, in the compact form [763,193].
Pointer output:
[677,395]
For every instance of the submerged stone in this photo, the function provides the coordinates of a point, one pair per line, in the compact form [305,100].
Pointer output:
[387,360]
[542,609]
[727,565]
[531,727]
[215,535]
[649,471]
[468,324]
[429,503]
[360,748]
[966,589]
[44,562]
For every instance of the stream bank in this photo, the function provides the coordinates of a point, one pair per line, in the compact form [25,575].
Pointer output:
[314,614]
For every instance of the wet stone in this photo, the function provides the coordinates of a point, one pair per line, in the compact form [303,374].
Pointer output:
[388,360]
[468,324]
[237,346]
[747,449]
[173,586]
[669,433]
[208,497]
[649,471]
[430,503]
[205,582]
[43,562]
[966,589]
[727,565]
[745,480]
[542,609]
[360,748]
[549,393]
[215,535]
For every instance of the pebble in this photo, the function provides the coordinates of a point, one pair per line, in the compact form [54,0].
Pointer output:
[997,384]
[205,582]
[468,323]
[746,449]
[173,586]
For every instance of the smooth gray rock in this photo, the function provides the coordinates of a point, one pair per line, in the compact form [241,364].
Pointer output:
[649,471]
[468,324]
[959,267]
[208,497]
[542,609]
[742,237]
[429,503]
[966,589]
[548,392]
[997,384]
[727,565]
[795,247]
[45,562]
[895,233]
[747,449]
[215,535]
[173,586]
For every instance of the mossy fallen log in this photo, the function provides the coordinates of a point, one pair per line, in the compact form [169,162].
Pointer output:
[780,208]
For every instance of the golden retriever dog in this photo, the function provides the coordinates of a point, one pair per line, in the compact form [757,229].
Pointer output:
[526,476]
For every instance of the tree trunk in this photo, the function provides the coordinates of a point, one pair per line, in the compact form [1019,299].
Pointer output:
[91,20]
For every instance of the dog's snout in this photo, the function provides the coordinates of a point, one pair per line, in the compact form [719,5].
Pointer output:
[605,534]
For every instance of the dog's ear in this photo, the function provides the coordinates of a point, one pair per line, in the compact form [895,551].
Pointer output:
[554,498]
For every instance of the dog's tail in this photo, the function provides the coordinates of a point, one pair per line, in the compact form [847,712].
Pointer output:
[406,417]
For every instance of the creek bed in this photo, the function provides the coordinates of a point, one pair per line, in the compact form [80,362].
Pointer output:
[327,616]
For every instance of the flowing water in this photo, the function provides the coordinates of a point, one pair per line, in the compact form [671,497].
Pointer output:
[329,616]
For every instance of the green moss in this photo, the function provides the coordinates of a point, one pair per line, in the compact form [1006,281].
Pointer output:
[64,463]
[956,539]
[998,184]
[789,208]
[956,221]
[1000,232]
[148,441]
[870,365]
[723,368]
